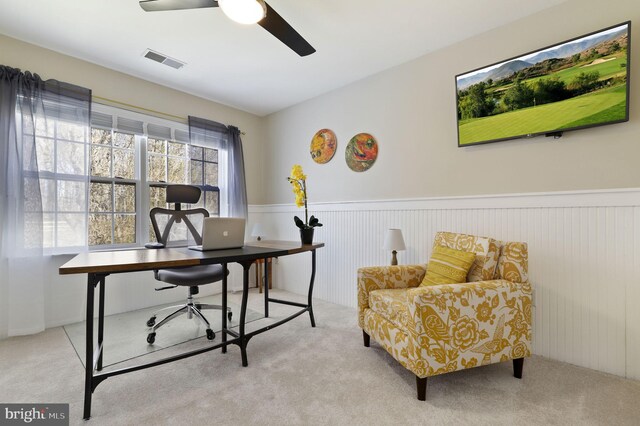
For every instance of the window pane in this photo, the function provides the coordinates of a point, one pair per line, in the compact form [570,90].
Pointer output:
[101,136]
[157,197]
[123,140]
[196,172]
[101,198]
[71,197]
[211,155]
[157,169]
[32,198]
[123,163]
[100,161]
[158,146]
[125,198]
[125,229]
[71,132]
[195,152]
[44,150]
[177,170]
[177,149]
[45,127]
[211,203]
[178,232]
[211,174]
[48,191]
[70,158]
[99,229]
[71,229]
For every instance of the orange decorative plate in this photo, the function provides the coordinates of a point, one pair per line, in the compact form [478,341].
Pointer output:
[361,152]
[323,146]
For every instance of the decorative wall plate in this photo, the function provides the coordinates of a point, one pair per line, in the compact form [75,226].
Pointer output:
[323,146]
[361,152]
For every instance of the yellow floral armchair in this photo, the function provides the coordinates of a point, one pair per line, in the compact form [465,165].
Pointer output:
[437,329]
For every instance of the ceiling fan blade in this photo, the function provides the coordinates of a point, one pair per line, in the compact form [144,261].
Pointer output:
[157,5]
[284,32]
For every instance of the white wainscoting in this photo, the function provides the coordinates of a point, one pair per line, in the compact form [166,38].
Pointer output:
[584,250]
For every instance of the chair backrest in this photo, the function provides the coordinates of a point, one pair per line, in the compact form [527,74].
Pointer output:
[164,220]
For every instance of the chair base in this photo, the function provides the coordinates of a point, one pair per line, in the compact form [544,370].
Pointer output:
[366,338]
[191,309]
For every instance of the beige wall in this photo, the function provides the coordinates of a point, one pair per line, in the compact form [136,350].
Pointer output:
[114,85]
[410,109]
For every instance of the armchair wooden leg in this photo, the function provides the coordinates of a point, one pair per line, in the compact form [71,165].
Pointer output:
[366,338]
[517,367]
[421,384]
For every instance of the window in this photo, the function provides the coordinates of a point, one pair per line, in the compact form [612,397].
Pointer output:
[62,158]
[133,158]
[112,200]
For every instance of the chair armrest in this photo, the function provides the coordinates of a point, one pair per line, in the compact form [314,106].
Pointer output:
[154,246]
[460,326]
[377,277]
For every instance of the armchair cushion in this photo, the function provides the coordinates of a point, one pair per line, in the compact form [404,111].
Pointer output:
[486,249]
[448,266]
[381,277]
[392,305]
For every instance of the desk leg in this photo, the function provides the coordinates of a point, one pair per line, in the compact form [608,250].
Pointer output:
[266,288]
[313,277]
[224,307]
[100,321]
[243,311]
[88,359]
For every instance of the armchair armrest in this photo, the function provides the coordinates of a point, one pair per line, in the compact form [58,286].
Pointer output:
[377,277]
[461,326]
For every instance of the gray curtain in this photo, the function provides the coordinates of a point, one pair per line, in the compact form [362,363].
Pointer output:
[29,106]
[226,139]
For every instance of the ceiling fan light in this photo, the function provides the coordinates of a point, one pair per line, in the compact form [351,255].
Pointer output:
[244,11]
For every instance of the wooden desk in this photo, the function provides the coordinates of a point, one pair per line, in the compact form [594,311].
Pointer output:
[99,265]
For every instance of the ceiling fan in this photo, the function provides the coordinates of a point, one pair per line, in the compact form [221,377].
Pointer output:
[245,12]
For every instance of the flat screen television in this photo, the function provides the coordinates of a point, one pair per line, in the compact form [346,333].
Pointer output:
[576,84]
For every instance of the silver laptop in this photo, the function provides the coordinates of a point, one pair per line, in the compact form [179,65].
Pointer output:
[220,233]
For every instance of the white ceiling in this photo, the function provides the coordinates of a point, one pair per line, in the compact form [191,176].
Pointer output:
[245,66]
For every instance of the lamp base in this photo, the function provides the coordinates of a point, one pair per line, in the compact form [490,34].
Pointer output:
[394,259]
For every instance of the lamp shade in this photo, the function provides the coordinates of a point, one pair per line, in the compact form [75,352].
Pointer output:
[257,230]
[244,11]
[393,240]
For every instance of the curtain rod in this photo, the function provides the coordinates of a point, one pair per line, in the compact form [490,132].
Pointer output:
[137,108]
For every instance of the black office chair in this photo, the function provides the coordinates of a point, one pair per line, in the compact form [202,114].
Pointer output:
[193,276]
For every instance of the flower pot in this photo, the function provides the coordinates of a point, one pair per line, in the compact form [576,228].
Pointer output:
[306,236]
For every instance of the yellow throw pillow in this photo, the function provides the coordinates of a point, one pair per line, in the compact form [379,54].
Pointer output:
[448,266]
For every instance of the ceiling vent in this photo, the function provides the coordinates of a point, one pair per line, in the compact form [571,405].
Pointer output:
[163,59]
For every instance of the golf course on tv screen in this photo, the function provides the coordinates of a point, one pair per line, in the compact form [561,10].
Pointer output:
[575,84]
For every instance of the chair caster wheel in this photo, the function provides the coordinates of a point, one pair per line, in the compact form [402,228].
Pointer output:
[151,337]
[151,322]
[229,315]
[210,334]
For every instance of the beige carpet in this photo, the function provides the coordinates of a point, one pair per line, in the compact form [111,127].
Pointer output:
[303,375]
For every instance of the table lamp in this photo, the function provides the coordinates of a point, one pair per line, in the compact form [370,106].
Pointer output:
[257,231]
[393,241]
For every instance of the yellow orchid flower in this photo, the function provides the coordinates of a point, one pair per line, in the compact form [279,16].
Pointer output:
[296,172]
